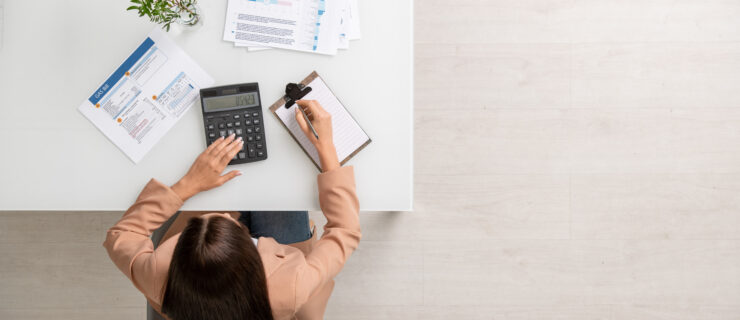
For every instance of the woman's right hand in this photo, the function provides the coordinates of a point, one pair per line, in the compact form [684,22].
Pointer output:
[321,121]
[205,173]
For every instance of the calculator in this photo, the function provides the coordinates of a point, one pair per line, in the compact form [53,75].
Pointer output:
[235,109]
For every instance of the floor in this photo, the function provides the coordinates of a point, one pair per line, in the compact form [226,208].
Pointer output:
[575,159]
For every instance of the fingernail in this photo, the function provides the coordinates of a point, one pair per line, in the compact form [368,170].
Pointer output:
[238,173]
[239,139]
[231,135]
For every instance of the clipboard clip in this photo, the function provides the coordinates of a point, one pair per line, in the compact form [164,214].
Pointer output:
[295,92]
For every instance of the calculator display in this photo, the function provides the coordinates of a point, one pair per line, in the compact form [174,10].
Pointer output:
[230,102]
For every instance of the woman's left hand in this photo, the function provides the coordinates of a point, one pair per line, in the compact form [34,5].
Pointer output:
[205,173]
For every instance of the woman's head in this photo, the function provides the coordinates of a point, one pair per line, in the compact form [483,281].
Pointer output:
[216,273]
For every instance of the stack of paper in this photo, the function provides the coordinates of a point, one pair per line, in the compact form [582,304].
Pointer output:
[320,26]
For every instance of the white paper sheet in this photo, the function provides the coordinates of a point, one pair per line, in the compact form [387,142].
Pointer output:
[354,19]
[146,95]
[348,135]
[304,25]
[349,27]
[344,25]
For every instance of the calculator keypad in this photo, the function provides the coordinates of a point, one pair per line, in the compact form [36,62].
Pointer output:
[246,123]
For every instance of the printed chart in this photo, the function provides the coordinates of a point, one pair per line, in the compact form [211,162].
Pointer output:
[304,25]
[146,95]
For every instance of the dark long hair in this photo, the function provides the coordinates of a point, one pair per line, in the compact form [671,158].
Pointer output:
[216,273]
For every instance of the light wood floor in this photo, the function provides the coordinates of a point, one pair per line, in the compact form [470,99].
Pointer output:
[575,159]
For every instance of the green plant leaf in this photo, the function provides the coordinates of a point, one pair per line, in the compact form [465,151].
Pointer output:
[163,11]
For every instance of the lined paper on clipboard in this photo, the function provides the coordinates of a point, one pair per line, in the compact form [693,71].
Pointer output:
[349,137]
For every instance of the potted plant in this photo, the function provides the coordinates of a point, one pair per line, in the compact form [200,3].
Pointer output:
[165,12]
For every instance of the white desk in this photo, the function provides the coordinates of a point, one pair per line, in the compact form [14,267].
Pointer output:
[56,52]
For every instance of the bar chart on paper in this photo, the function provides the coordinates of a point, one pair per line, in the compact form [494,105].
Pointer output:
[276,2]
[304,25]
[273,7]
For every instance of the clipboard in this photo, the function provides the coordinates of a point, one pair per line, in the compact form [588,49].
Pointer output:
[280,103]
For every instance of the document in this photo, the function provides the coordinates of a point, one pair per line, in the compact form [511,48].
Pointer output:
[350,24]
[354,20]
[303,25]
[349,137]
[349,27]
[146,95]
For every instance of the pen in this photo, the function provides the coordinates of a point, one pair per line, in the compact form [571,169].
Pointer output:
[308,121]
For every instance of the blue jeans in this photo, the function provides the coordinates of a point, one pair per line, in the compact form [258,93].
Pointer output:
[285,227]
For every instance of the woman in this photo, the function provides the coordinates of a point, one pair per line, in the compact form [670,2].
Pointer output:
[208,267]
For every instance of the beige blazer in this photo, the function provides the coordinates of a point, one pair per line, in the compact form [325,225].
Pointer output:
[299,277]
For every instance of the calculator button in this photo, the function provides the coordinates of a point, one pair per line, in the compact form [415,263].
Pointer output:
[250,138]
[260,154]
[230,124]
[231,131]
[239,131]
[246,115]
[212,135]
[256,114]
[210,142]
[256,121]
[222,133]
[237,124]
[257,129]
[221,126]
[236,116]
[242,155]
[259,146]
[211,127]
[249,130]
[247,122]
[258,137]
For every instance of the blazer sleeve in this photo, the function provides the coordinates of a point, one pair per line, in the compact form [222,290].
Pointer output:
[128,243]
[338,201]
